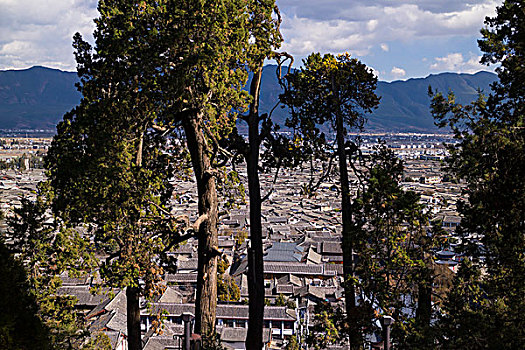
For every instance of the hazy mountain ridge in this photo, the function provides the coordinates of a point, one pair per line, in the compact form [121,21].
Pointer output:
[404,105]
[37,98]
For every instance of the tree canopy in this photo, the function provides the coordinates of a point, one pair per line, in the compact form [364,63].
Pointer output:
[490,158]
[337,92]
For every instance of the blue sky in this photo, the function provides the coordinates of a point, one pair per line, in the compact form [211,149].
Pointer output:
[399,39]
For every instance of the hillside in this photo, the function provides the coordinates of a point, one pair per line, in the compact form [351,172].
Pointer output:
[36,98]
[404,104]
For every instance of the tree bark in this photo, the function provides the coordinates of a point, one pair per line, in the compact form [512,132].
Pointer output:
[206,303]
[133,318]
[348,235]
[424,298]
[254,336]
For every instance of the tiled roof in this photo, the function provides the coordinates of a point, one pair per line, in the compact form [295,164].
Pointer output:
[190,264]
[330,269]
[181,278]
[75,281]
[284,252]
[223,311]
[229,334]
[284,289]
[83,295]
[159,343]
[331,248]
[293,268]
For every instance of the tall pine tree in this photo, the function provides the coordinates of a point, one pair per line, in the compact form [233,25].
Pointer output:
[334,92]
[490,157]
[158,67]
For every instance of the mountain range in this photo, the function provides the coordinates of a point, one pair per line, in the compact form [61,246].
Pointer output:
[36,98]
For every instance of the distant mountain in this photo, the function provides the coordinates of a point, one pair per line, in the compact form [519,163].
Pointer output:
[404,105]
[37,98]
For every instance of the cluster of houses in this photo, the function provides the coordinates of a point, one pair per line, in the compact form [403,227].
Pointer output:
[302,260]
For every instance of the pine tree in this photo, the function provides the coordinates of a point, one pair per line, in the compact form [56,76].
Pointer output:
[45,249]
[159,70]
[265,37]
[335,92]
[394,243]
[490,158]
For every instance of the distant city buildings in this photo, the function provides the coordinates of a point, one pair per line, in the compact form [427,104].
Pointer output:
[302,244]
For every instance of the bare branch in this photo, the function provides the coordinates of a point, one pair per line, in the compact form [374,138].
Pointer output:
[326,173]
[200,220]
[216,146]
[269,193]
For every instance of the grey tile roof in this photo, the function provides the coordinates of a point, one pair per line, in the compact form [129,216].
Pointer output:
[118,323]
[284,289]
[181,278]
[229,334]
[232,311]
[290,279]
[284,252]
[75,281]
[159,343]
[83,295]
[331,248]
[333,269]
[99,323]
[292,268]
[187,265]
[313,257]
[171,295]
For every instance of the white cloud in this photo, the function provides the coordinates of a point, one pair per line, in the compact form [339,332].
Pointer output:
[455,62]
[358,26]
[372,24]
[303,36]
[398,72]
[39,32]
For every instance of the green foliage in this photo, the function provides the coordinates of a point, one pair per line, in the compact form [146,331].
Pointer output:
[159,70]
[332,93]
[230,188]
[293,344]
[490,158]
[240,237]
[47,249]
[393,245]
[20,326]
[463,312]
[280,300]
[328,85]
[222,266]
[329,326]
[325,89]
[264,30]
[99,341]
[227,289]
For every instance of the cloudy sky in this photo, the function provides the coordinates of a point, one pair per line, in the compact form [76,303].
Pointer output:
[399,39]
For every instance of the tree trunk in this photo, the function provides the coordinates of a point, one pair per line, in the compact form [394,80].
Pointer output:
[133,318]
[424,298]
[206,303]
[348,237]
[254,339]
